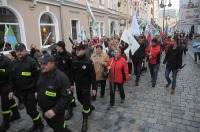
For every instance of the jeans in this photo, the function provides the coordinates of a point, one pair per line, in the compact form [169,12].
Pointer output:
[153,68]
[195,56]
[112,94]
[174,74]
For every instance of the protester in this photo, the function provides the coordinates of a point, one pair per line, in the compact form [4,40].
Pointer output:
[100,60]
[196,46]
[138,58]
[23,76]
[63,63]
[12,56]
[153,52]
[119,70]
[6,105]
[173,59]
[83,75]
[54,95]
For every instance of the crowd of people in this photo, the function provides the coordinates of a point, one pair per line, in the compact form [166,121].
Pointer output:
[50,78]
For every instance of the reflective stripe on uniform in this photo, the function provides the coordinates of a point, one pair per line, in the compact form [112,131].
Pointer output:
[86,111]
[26,74]
[73,100]
[6,112]
[36,118]
[64,125]
[13,106]
[3,70]
[52,94]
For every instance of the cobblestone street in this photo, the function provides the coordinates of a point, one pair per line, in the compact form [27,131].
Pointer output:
[146,109]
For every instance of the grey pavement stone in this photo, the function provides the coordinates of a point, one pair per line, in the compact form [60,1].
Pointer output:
[153,130]
[176,120]
[158,126]
[192,129]
[181,126]
[152,120]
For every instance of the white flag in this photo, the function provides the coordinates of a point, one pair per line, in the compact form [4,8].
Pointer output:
[94,24]
[135,29]
[128,38]
[82,35]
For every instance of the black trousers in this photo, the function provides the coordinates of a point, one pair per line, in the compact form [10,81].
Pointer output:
[19,96]
[31,105]
[6,103]
[129,67]
[137,70]
[103,86]
[56,123]
[83,96]
[112,94]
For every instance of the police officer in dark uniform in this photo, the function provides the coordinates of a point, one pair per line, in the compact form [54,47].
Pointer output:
[53,93]
[83,74]
[23,75]
[63,63]
[7,105]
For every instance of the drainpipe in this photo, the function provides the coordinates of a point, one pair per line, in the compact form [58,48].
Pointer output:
[61,21]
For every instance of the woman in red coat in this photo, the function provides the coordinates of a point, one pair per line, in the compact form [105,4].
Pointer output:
[153,53]
[120,75]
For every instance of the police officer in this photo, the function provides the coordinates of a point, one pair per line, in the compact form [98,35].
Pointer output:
[63,63]
[53,93]
[83,74]
[23,74]
[7,105]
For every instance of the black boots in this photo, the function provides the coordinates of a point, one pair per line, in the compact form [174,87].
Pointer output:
[37,126]
[69,113]
[84,124]
[15,115]
[4,126]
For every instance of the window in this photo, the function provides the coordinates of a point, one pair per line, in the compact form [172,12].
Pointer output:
[74,24]
[101,2]
[47,28]
[99,31]
[9,23]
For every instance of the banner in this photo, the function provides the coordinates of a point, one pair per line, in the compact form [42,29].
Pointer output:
[134,29]
[10,36]
[128,38]
[94,24]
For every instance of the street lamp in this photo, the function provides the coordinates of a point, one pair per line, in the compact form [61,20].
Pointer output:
[163,5]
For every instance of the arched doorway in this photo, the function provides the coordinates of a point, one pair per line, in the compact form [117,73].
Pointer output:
[112,29]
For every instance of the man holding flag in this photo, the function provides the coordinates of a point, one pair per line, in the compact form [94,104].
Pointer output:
[9,37]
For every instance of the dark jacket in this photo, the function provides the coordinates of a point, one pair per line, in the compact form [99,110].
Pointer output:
[23,74]
[173,58]
[4,73]
[64,62]
[139,54]
[52,91]
[83,73]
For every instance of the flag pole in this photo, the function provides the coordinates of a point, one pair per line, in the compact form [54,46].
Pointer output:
[6,28]
[4,46]
[46,39]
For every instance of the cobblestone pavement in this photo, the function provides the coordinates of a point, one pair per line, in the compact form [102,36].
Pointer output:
[146,109]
